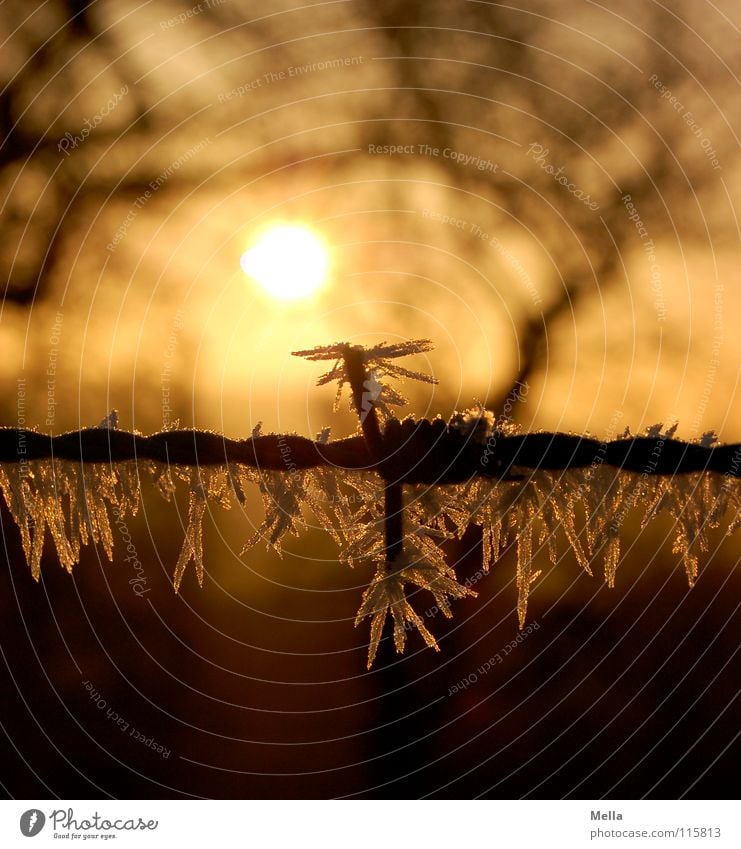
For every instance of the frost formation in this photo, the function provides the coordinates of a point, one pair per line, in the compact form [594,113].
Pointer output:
[527,513]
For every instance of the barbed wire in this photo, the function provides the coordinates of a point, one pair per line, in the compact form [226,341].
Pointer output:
[403,452]
[472,445]
[409,451]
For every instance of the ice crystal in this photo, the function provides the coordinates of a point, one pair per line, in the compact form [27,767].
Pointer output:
[14,484]
[193,543]
[110,422]
[96,490]
[378,363]
[282,495]
[589,506]
[206,485]
[45,509]
[477,423]
[72,502]
[655,432]
[386,594]
[78,502]
[525,510]
[361,512]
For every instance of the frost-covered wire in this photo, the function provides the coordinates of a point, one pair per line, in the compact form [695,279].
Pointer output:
[388,495]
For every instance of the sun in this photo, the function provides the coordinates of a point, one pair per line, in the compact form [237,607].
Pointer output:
[289,262]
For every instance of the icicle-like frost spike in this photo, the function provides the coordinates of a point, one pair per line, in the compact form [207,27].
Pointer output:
[520,512]
[98,486]
[193,542]
[612,556]
[282,496]
[128,487]
[76,502]
[71,500]
[241,477]
[162,476]
[46,501]
[434,575]
[14,482]
[362,516]
[689,502]
[218,486]
[386,594]
[526,575]
[236,482]
[326,501]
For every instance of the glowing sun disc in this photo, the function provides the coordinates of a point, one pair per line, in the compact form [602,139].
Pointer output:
[288,261]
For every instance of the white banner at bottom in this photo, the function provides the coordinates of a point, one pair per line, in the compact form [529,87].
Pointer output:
[368,824]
